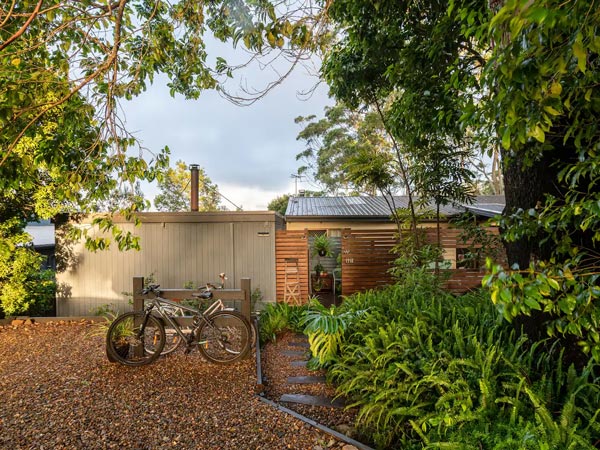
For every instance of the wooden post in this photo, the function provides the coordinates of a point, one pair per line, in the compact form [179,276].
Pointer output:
[138,305]
[138,298]
[245,286]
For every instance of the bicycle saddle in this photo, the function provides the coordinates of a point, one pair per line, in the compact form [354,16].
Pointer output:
[204,295]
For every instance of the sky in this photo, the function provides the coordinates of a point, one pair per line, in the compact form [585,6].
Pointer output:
[249,152]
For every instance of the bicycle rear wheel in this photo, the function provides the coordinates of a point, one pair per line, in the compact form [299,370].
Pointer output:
[135,339]
[225,337]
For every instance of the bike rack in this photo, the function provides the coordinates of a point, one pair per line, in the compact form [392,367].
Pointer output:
[242,295]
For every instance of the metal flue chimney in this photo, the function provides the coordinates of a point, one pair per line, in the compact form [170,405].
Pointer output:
[194,186]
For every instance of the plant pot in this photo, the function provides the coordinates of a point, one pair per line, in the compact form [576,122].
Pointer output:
[322,252]
[122,349]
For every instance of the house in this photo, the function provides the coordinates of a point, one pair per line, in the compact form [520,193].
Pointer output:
[362,234]
[43,241]
[337,213]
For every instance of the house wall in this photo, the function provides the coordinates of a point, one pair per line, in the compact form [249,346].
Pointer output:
[176,249]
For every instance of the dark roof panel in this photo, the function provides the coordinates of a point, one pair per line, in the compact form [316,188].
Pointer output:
[373,207]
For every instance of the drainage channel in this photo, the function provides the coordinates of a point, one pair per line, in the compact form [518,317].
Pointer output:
[260,395]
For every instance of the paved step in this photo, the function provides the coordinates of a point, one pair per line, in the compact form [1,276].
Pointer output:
[301,363]
[313,400]
[310,379]
[295,353]
[299,344]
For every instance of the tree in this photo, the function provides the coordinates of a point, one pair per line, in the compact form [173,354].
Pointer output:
[176,192]
[64,67]
[332,142]
[519,75]
[279,204]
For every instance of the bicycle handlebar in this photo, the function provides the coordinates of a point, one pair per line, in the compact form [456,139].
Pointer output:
[150,288]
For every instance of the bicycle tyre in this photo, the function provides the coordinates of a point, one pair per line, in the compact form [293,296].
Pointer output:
[123,343]
[225,338]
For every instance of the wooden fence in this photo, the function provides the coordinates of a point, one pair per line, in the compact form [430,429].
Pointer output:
[241,295]
[291,245]
[366,259]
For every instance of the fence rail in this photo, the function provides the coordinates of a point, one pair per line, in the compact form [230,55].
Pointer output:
[242,295]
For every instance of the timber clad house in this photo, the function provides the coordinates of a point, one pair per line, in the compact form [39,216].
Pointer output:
[179,249]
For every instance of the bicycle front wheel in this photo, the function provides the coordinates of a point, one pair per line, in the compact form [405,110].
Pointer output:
[172,341]
[135,339]
[225,337]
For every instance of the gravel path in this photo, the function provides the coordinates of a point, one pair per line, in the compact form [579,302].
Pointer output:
[277,368]
[58,391]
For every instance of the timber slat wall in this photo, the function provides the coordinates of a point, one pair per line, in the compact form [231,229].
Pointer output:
[366,259]
[291,244]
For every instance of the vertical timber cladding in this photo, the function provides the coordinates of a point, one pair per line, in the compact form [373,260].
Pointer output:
[366,259]
[292,244]
[177,249]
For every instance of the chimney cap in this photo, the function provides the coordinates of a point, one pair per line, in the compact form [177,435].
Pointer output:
[194,166]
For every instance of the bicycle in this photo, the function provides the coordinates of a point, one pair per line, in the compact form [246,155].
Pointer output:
[174,341]
[138,338]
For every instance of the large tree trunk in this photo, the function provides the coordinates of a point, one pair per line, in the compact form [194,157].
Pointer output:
[525,188]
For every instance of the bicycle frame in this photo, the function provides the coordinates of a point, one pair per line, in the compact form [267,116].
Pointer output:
[155,305]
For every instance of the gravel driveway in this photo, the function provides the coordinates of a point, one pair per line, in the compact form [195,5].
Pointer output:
[58,391]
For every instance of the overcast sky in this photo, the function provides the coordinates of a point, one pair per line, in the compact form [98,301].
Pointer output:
[249,152]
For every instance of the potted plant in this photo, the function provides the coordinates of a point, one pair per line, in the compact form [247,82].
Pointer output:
[318,269]
[322,246]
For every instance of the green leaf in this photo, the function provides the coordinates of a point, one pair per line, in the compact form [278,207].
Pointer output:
[553,283]
[538,134]
[506,138]
[532,303]
[580,53]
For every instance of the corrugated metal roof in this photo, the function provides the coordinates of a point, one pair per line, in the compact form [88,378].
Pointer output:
[369,207]
[487,205]
[42,234]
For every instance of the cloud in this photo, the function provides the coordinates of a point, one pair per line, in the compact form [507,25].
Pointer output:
[249,149]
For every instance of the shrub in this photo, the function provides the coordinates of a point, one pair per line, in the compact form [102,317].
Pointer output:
[429,370]
[277,317]
[24,287]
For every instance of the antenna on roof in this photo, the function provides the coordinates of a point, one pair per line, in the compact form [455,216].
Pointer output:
[296,177]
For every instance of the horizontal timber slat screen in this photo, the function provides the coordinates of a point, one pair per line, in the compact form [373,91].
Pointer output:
[291,245]
[366,259]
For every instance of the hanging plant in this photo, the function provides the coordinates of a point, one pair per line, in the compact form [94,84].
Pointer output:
[322,246]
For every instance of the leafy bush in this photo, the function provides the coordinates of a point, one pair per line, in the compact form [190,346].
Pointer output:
[277,317]
[429,370]
[24,287]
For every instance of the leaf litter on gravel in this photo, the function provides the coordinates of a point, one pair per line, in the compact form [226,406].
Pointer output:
[59,391]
